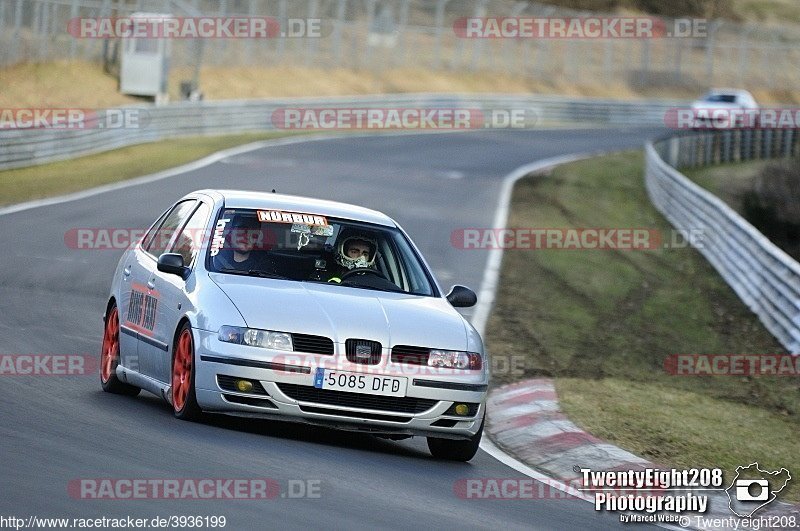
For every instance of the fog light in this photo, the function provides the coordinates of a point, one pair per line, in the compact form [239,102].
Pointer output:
[244,386]
[462,409]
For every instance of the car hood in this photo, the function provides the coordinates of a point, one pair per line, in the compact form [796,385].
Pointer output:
[340,312]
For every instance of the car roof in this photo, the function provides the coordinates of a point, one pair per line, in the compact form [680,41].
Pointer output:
[296,203]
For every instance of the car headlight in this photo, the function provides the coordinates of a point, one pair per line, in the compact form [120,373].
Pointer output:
[453,359]
[256,338]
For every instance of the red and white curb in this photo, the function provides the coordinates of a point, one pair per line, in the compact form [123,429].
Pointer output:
[525,421]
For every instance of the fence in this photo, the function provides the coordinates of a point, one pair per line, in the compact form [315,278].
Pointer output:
[379,34]
[26,147]
[764,277]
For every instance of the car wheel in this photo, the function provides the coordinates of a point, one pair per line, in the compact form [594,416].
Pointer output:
[454,450]
[184,399]
[109,357]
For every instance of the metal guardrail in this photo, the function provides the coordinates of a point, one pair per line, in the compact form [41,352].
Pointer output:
[764,277]
[20,148]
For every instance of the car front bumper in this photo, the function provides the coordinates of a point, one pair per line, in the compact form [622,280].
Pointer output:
[287,392]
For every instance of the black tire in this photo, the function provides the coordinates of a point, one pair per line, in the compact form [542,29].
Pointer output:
[109,356]
[184,399]
[455,450]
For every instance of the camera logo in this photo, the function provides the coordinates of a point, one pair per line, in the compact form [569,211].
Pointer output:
[754,488]
[746,490]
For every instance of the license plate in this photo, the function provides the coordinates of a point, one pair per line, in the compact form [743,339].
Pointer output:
[354,382]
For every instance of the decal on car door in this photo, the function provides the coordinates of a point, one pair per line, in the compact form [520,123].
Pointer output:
[142,309]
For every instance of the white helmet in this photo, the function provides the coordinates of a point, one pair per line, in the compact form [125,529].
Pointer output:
[351,263]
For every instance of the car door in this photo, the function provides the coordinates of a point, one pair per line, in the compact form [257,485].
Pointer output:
[132,287]
[174,292]
[146,296]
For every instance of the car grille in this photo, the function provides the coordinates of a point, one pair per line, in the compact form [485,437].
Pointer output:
[410,355]
[312,344]
[363,351]
[306,393]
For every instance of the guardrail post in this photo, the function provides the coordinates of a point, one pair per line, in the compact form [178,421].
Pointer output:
[766,143]
[674,151]
[788,137]
[736,145]
[747,144]
[726,146]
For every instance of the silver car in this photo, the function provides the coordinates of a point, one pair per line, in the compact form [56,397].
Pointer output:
[725,108]
[276,306]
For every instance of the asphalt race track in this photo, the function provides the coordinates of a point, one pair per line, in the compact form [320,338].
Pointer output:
[57,429]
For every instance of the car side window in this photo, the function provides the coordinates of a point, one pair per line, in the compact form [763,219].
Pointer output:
[154,228]
[191,237]
[163,235]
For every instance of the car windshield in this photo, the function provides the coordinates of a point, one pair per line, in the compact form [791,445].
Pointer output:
[313,248]
[721,98]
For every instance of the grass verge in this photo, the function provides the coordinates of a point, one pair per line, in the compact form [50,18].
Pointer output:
[729,182]
[602,323]
[58,178]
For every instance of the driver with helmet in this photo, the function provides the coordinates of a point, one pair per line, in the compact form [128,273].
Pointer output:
[354,252]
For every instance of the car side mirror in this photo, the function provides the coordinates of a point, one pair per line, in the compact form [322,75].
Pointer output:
[461,297]
[173,263]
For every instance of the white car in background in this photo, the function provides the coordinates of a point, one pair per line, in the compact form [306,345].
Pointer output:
[725,108]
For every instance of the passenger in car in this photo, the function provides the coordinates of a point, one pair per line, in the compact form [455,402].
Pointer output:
[239,251]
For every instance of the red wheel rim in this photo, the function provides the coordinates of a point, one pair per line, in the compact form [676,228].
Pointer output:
[110,351]
[182,370]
